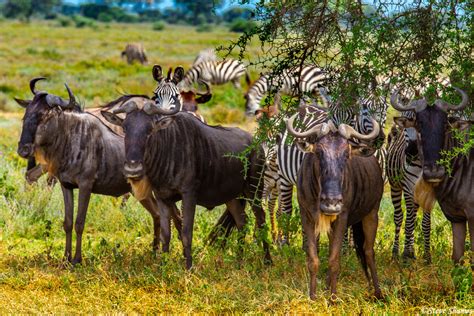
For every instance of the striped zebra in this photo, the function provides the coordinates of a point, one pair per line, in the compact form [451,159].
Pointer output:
[208,54]
[214,72]
[403,169]
[167,95]
[290,82]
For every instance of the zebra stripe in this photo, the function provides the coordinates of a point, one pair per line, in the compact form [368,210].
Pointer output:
[290,82]
[214,72]
[402,171]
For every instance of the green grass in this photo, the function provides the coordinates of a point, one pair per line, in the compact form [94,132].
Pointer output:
[120,273]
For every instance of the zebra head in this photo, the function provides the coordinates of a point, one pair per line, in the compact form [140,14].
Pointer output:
[167,95]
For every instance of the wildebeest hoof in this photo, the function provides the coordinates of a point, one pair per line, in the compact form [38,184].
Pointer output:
[378,295]
[76,262]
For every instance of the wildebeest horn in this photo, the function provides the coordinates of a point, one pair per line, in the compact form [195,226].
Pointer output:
[126,107]
[347,131]
[320,129]
[208,89]
[414,105]
[72,98]
[150,108]
[33,83]
[445,106]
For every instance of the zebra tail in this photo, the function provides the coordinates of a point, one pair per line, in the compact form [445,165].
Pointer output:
[222,228]
[247,79]
[359,240]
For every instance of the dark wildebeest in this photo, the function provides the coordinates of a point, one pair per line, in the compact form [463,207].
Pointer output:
[454,193]
[182,158]
[337,188]
[135,51]
[81,152]
[168,96]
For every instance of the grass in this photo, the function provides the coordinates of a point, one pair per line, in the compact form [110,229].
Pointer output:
[120,273]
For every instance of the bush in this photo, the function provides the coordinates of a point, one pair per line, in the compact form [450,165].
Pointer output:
[105,17]
[159,26]
[241,26]
[83,21]
[204,28]
[64,21]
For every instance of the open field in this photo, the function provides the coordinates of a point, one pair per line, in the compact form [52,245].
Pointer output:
[120,272]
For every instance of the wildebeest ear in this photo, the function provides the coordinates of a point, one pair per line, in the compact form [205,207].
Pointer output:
[461,125]
[178,74]
[305,146]
[157,73]
[22,103]
[112,118]
[163,123]
[362,150]
[204,98]
[404,122]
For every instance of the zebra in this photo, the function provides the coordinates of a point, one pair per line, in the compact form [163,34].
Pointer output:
[208,54]
[290,82]
[168,96]
[214,72]
[403,168]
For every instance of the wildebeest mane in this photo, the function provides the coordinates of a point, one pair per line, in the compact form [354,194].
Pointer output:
[122,99]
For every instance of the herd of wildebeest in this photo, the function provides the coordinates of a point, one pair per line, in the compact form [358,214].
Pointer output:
[162,151]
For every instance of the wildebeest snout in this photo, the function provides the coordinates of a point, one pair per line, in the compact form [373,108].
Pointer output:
[133,169]
[25,150]
[433,173]
[331,204]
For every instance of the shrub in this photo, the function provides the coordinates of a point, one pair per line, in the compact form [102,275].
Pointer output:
[204,28]
[105,17]
[64,21]
[159,26]
[83,21]
[241,26]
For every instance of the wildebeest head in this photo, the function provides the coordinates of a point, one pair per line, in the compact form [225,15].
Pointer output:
[431,123]
[167,95]
[192,98]
[139,123]
[333,148]
[38,110]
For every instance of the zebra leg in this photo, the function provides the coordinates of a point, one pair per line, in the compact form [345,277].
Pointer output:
[284,211]
[410,220]
[396,195]
[271,210]
[236,83]
[426,227]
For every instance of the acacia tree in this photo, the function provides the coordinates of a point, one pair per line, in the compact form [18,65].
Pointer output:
[404,43]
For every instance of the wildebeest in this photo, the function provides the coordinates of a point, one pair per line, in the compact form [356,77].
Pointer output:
[454,192]
[135,52]
[182,158]
[338,188]
[81,152]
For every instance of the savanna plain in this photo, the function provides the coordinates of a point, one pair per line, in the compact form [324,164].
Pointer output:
[120,273]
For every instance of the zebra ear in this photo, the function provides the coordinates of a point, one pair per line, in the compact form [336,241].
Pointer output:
[178,74]
[157,73]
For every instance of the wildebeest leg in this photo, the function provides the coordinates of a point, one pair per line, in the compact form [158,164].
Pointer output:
[426,227]
[165,225]
[369,225]
[189,209]
[83,204]
[260,219]
[335,245]
[237,209]
[459,238]
[312,260]
[177,219]
[470,222]
[151,205]
[68,196]
[396,195]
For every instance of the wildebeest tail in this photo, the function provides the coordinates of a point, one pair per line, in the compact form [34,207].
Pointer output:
[359,240]
[223,228]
